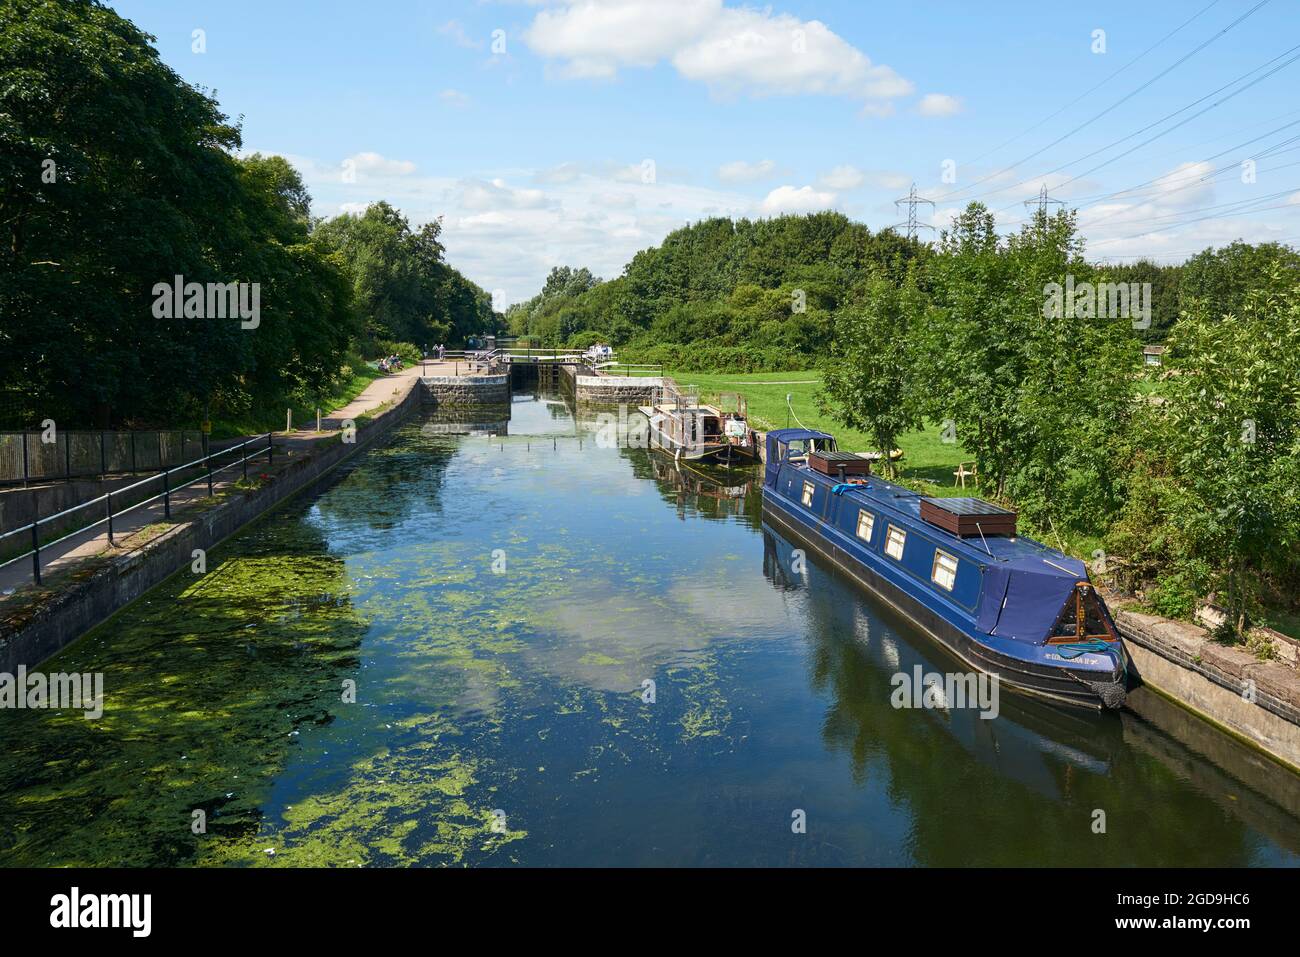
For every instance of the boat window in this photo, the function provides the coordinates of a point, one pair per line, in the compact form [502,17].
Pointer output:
[944,573]
[866,522]
[894,542]
[807,493]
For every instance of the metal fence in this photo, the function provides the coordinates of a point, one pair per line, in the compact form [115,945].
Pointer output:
[170,479]
[26,457]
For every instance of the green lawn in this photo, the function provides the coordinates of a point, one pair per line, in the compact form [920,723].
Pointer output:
[926,458]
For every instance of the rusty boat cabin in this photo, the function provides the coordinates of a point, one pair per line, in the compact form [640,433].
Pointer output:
[691,430]
[1001,602]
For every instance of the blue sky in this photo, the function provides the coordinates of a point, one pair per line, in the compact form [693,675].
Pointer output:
[576,132]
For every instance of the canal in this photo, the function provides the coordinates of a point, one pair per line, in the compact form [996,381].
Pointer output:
[538,649]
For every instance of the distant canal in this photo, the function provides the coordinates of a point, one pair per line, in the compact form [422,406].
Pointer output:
[499,605]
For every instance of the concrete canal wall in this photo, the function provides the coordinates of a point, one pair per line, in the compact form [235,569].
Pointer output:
[110,584]
[1256,701]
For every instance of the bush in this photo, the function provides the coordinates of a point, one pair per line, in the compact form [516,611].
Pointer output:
[1174,596]
[713,357]
[381,348]
[586,339]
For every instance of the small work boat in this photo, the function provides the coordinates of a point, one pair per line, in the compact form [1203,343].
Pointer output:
[1003,603]
[688,429]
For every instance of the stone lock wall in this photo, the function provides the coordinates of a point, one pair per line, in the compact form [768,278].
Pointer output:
[444,390]
[614,389]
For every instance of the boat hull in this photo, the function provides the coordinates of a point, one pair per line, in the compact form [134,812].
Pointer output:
[1058,684]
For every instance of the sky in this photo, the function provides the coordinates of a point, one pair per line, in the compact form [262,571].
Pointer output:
[576,132]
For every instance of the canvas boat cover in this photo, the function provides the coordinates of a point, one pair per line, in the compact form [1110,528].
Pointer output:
[1022,598]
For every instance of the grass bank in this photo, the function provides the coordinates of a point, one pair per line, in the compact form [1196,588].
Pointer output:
[926,457]
[355,375]
[928,463]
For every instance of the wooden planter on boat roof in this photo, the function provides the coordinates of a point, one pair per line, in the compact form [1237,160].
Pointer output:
[968,517]
[837,464]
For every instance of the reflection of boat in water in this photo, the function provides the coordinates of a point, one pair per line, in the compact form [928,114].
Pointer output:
[725,489]
[1003,603]
[1028,742]
[689,429]
[1063,754]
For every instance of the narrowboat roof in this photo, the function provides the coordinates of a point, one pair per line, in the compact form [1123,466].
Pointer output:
[1019,552]
[790,435]
[1025,581]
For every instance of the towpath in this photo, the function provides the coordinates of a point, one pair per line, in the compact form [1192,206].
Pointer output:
[94,541]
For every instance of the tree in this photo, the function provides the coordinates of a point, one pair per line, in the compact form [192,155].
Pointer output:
[1165,293]
[116,176]
[1230,431]
[1219,280]
[401,285]
[868,379]
[1039,397]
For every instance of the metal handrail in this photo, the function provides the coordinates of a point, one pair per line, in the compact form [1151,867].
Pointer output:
[34,527]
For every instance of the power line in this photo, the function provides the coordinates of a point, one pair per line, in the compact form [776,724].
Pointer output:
[1214,175]
[1186,252]
[1043,201]
[1167,116]
[1124,99]
[1095,88]
[912,201]
[1245,205]
[1181,123]
[1163,180]
[1199,219]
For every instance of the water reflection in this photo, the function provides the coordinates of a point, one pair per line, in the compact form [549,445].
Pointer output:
[1077,761]
[504,600]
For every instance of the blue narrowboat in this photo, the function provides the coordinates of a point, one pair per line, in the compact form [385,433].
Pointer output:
[1001,602]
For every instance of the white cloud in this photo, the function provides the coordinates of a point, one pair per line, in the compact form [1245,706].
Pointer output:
[938,104]
[741,171]
[596,37]
[477,194]
[732,49]
[505,229]
[843,177]
[373,164]
[890,180]
[847,177]
[803,199]
[564,173]
[1184,186]
[454,97]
